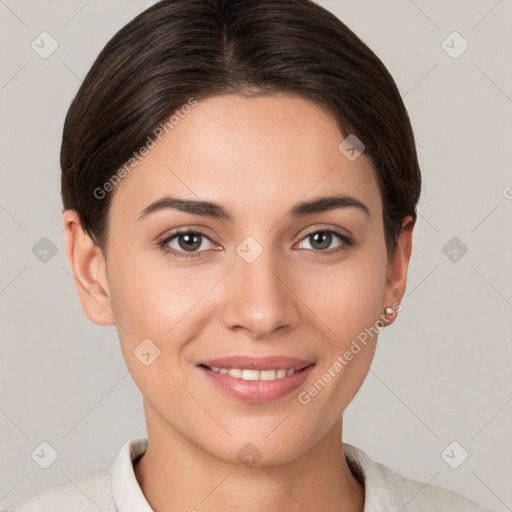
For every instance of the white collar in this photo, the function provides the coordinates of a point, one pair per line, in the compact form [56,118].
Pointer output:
[128,495]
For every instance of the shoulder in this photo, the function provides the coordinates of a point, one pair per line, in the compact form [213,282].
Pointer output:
[387,490]
[88,493]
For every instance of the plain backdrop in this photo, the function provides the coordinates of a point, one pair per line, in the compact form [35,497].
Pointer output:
[441,372]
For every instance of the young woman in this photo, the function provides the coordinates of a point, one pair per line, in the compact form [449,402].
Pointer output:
[240,183]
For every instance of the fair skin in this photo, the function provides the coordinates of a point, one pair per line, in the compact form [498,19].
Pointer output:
[257,157]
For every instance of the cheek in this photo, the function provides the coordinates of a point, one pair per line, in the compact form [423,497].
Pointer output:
[150,297]
[348,298]
[160,304]
[351,304]
[151,306]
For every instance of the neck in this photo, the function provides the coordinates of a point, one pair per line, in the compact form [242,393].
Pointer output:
[175,474]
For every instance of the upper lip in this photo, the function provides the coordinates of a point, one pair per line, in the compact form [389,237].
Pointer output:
[257,363]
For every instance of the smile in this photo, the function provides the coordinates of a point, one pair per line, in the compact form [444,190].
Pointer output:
[253,385]
[240,373]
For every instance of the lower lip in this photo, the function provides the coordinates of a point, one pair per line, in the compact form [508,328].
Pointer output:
[257,391]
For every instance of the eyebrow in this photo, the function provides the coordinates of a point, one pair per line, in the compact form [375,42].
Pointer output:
[216,211]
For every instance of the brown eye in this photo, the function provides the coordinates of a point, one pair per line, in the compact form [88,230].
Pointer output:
[322,240]
[189,241]
[183,242]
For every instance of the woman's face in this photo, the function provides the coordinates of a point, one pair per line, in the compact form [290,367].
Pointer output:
[270,280]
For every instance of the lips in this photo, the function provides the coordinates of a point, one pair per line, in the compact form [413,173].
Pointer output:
[256,380]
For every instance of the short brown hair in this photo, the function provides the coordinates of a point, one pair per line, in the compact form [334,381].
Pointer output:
[178,49]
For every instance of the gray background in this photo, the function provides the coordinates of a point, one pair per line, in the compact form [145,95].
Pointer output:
[441,372]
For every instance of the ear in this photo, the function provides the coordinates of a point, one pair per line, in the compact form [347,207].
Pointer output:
[398,265]
[89,271]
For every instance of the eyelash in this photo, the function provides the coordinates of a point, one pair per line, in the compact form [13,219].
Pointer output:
[181,255]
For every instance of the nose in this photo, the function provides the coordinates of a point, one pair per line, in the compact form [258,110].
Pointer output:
[259,297]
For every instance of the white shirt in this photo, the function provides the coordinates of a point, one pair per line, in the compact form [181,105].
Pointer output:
[115,489]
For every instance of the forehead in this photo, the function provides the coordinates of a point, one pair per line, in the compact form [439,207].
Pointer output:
[248,152]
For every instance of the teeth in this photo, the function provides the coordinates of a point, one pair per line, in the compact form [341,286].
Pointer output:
[250,375]
[268,375]
[254,374]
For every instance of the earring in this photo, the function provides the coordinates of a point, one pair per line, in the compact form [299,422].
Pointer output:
[388,312]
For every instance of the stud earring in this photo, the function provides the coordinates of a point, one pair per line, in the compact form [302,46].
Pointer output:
[388,311]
